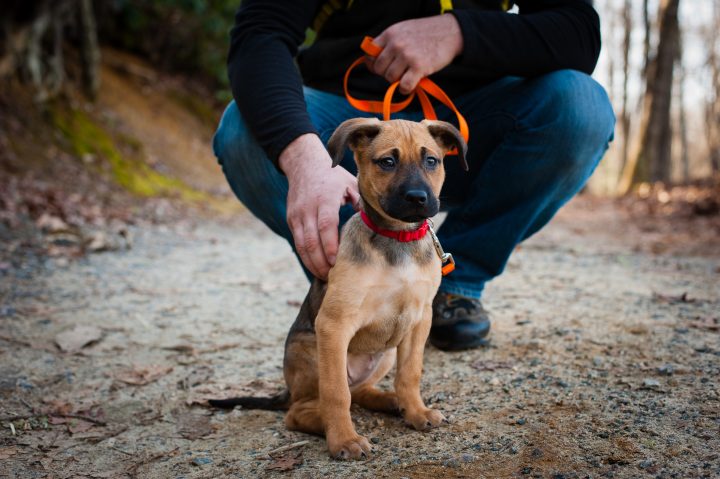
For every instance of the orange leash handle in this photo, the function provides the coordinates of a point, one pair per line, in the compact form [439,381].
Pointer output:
[386,107]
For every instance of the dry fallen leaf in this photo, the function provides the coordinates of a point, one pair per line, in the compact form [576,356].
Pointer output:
[709,324]
[7,452]
[141,375]
[77,338]
[192,426]
[57,406]
[672,299]
[78,425]
[286,462]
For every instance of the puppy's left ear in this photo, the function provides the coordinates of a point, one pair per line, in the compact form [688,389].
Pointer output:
[352,133]
[448,137]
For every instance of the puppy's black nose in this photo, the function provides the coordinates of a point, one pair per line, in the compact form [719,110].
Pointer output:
[419,197]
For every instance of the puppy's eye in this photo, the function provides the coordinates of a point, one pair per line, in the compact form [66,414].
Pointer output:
[431,162]
[386,163]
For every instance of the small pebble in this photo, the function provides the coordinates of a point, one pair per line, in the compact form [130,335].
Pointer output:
[451,463]
[666,370]
[651,383]
[201,461]
[375,440]
[521,421]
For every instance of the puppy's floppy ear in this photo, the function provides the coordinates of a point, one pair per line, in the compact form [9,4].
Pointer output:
[353,133]
[448,137]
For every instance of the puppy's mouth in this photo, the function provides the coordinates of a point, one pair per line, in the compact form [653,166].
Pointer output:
[414,218]
[401,210]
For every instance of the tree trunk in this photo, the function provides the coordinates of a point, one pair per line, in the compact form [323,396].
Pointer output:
[682,113]
[32,37]
[650,160]
[712,113]
[646,39]
[89,48]
[625,119]
[609,40]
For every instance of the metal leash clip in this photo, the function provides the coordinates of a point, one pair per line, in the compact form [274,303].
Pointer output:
[444,257]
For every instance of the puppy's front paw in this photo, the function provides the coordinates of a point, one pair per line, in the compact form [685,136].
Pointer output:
[356,447]
[424,419]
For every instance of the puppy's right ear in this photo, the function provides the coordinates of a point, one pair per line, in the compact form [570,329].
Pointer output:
[352,133]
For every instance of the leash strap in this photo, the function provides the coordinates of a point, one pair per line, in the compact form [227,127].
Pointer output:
[386,107]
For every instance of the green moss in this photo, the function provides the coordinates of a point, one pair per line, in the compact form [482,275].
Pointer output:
[86,137]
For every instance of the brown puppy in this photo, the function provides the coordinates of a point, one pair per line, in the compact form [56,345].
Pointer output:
[376,306]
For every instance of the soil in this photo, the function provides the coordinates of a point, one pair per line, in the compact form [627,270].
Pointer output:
[604,361]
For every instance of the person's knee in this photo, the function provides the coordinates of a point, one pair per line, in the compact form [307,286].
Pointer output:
[579,109]
[232,136]
[245,164]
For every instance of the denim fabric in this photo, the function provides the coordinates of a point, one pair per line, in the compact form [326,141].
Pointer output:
[533,145]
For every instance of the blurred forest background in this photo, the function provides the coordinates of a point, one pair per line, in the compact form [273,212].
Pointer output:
[103,98]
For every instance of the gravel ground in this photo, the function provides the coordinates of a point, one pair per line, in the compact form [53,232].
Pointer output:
[604,362]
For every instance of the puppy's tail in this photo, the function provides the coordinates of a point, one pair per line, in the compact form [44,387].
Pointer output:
[279,401]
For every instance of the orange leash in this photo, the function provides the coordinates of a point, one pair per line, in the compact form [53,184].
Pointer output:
[386,107]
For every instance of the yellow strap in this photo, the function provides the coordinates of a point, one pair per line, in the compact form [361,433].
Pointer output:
[445,6]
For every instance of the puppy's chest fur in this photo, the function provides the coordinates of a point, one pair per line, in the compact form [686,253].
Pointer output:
[390,283]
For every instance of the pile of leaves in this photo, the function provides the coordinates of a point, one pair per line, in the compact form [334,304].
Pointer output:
[701,198]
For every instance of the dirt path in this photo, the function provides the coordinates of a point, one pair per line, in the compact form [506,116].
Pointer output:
[604,362]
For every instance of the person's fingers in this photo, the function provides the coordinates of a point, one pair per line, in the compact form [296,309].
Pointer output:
[313,247]
[381,63]
[382,39]
[327,224]
[409,81]
[352,196]
[395,70]
[298,232]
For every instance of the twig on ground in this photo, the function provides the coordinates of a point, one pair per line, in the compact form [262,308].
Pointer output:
[12,340]
[10,419]
[120,450]
[27,404]
[288,447]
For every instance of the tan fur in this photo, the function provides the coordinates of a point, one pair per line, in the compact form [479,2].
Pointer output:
[373,311]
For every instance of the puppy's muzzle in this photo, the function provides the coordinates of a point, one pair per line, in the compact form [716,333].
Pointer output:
[412,203]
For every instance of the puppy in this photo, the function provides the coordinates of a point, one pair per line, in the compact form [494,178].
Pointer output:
[375,309]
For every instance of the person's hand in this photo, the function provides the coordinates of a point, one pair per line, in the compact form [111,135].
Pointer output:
[317,191]
[414,49]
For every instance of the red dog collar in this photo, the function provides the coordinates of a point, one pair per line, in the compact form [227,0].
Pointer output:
[402,236]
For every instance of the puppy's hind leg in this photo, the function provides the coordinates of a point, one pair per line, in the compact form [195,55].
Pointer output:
[304,416]
[368,396]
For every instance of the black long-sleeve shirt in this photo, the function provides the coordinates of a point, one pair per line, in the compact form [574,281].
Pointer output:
[545,36]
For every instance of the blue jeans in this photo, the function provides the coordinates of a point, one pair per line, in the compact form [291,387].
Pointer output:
[533,145]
